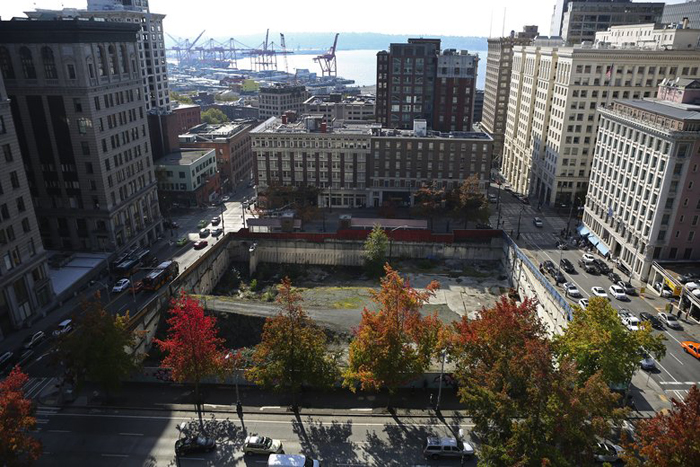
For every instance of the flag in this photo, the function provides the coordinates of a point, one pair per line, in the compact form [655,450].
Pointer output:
[610,211]
[608,73]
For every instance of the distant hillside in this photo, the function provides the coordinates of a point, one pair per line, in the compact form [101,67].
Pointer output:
[355,40]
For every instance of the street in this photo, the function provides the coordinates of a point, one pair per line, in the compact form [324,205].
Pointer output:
[677,371]
[129,437]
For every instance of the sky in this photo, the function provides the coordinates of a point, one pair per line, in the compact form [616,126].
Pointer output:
[226,18]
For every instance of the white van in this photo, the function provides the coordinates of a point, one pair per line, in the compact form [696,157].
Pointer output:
[291,460]
[63,327]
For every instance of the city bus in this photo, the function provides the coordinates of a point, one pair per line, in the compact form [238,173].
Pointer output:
[161,275]
[126,268]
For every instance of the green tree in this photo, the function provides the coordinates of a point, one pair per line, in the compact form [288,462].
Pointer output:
[100,348]
[468,202]
[528,409]
[182,98]
[395,344]
[429,202]
[597,341]
[293,351]
[375,248]
[214,116]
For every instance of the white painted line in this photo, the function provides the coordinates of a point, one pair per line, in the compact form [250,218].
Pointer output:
[667,372]
[690,382]
[58,431]
[42,420]
[114,455]
[359,410]
[673,382]
[266,407]
[671,354]
[672,336]
[131,434]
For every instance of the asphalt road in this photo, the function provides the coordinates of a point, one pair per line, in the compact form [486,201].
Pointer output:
[89,438]
[677,371]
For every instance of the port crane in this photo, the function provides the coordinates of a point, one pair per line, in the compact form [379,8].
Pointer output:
[329,66]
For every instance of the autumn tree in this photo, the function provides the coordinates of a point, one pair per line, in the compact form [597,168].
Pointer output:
[293,351]
[394,344]
[468,202]
[597,341]
[669,439]
[214,116]
[100,349]
[376,247]
[429,202]
[192,347]
[17,445]
[527,408]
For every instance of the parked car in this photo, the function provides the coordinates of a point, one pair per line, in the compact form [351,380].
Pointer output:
[548,266]
[121,285]
[590,268]
[63,327]
[204,233]
[436,448]
[225,198]
[651,319]
[524,199]
[606,451]
[200,244]
[627,287]
[583,303]
[614,277]
[602,266]
[623,314]
[291,460]
[482,225]
[5,360]
[618,292]
[538,222]
[256,444]
[692,286]
[34,339]
[693,348]
[669,320]
[663,289]
[571,290]
[588,258]
[647,363]
[599,292]
[182,241]
[194,444]
[202,224]
[567,265]
[558,276]
[493,198]
[217,232]
[216,221]
[688,277]
[631,323]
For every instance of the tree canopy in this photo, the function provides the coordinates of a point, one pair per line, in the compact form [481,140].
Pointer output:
[214,116]
[17,446]
[468,202]
[376,247]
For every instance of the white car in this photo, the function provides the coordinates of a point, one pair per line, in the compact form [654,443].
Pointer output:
[537,221]
[632,323]
[647,362]
[34,339]
[571,290]
[599,292]
[624,314]
[588,258]
[583,303]
[669,320]
[692,286]
[121,285]
[696,292]
[605,451]
[618,292]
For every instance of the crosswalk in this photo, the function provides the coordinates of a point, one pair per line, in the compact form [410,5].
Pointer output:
[35,386]
[678,389]
[43,412]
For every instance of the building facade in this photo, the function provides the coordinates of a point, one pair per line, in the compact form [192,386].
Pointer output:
[359,165]
[478,106]
[677,12]
[499,64]
[642,205]
[232,145]
[336,107]
[25,287]
[188,178]
[551,121]
[651,36]
[188,116]
[76,96]
[583,19]
[455,91]
[277,99]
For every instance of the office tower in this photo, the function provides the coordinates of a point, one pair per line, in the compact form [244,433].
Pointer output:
[25,287]
[278,98]
[643,204]
[188,177]
[76,94]
[676,13]
[497,88]
[478,106]
[583,19]
[417,81]
[551,121]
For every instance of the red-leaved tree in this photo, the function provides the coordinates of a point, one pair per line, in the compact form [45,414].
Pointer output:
[193,349]
[17,446]
[670,439]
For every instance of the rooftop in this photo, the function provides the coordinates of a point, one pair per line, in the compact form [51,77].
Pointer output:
[179,105]
[218,130]
[330,100]
[66,31]
[665,108]
[183,157]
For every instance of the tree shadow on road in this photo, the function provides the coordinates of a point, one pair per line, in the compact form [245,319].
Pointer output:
[329,442]
[402,443]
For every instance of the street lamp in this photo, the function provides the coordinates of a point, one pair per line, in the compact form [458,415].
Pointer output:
[520,215]
[442,372]
[571,209]
[238,398]
[109,292]
[391,241]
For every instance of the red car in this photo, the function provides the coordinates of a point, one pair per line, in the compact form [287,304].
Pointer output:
[200,244]
[693,348]
[137,287]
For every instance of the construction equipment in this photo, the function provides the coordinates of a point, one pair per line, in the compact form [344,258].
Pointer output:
[329,66]
[283,44]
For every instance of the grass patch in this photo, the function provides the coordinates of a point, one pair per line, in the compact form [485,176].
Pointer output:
[472,272]
[349,303]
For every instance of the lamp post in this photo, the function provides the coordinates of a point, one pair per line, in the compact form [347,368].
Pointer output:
[235,369]
[520,215]
[442,372]
[571,209]
[391,241]
[109,292]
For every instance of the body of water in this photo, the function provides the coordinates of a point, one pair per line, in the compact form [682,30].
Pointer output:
[361,65]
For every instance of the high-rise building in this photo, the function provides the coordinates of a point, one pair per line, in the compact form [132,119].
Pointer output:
[76,94]
[150,41]
[25,287]
[554,92]
[677,12]
[337,107]
[478,105]
[417,81]
[643,204]
[497,89]
[279,98]
[583,19]
[650,36]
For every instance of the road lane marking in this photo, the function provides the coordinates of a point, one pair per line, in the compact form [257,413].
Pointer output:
[671,354]
[114,455]
[131,434]
[672,336]
[361,410]
[266,407]
[669,373]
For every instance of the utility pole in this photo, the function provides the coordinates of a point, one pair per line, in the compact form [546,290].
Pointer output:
[442,372]
[519,217]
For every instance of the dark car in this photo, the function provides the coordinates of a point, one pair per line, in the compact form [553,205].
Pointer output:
[623,269]
[192,445]
[628,287]
[602,266]
[200,244]
[558,277]
[548,266]
[590,268]
[653,320]
[688,277]
[524,199]
[482,225]
[567,265]
[614,277]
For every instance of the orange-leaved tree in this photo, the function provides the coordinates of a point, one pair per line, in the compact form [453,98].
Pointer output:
[293,351]
[670,439]
[193,349]
[394,344]
[17,445]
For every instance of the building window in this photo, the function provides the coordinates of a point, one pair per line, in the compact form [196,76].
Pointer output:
[77,105]
[71,71]
[25,225]
[49,63]
[7,151]
[8,72]
[28,69]
[14,179]
[20,204]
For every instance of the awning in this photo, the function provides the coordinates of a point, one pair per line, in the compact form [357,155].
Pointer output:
[583,230]
[593,239]
[602,248]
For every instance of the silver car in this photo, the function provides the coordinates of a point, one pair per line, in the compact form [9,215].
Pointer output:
[255,444]
[436,448]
